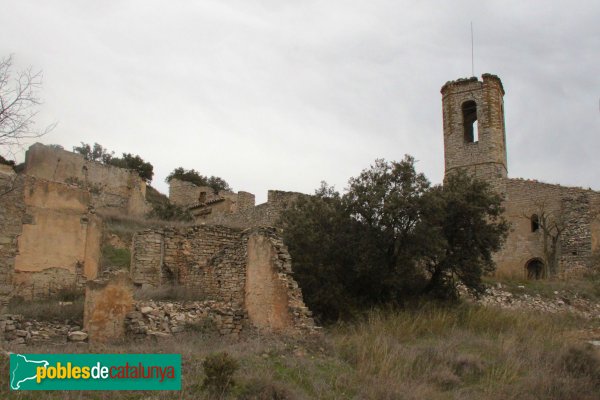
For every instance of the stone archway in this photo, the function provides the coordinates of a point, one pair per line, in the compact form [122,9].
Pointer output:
[535,268]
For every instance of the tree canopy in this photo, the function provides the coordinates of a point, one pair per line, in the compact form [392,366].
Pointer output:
[193,176]
[99,153]
[391,238]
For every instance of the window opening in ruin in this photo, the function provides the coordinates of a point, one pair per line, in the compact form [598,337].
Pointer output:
[202,197]
[469,110]
[535,223]
[535,269]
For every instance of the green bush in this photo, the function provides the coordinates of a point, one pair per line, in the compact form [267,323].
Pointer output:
[191,175]
[115,257]
[219,369]
[259,389]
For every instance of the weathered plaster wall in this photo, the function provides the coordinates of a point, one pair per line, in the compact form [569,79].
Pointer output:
[266,298]
[111,188]
[59,245]
[107,303]
[248,271]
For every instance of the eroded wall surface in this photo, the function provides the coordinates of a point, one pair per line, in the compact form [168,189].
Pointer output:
[575,210]
[107,303]
[111,188]
[249,271]
[59,242]
[266,214]
[49,236]
[12,212]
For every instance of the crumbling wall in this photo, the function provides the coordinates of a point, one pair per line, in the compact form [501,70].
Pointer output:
[178,256]
[595,228]
[576,241]
[59,242]
[12,212]
[249,272]
[183,193]
[111,188]
[266,214]
[571,208]
[107,303]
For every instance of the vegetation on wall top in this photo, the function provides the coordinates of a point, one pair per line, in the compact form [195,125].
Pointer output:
[193,176]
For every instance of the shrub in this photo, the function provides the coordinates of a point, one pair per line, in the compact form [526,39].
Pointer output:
[581,361]
[191,175]
[219,369]
[115,257]
[170,212]
[47,310]
[258,389]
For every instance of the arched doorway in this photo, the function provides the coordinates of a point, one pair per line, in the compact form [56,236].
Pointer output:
[534,269]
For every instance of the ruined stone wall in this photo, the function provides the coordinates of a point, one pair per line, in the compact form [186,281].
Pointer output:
[179,256]
[266,214]
[572,208]
[111,188]
[59,242]
[247,271]
[183,193]
[595,228]
[107,302]
[204,204]
[12,212]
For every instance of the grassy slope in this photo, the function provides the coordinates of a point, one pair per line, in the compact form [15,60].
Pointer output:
[431,353]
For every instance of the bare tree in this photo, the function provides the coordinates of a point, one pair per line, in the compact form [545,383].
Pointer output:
[551,226]
[19,101]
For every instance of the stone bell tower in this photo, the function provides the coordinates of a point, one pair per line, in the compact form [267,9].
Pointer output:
[474,133]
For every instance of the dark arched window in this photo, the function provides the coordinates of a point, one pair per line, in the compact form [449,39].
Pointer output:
[535,223]
[469,111]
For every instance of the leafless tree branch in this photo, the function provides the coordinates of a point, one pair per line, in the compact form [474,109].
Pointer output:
[19,101]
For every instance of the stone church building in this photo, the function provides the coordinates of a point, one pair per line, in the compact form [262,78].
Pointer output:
[555,230]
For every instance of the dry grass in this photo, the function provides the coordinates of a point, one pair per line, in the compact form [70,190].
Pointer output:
[65,305]
[428,353]
[587,287]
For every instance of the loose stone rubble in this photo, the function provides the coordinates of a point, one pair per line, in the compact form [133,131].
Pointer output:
[562,302]
[167,318]
[15,330]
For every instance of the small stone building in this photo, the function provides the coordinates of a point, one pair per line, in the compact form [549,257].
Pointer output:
[229,208]
[555,230]
[248,271]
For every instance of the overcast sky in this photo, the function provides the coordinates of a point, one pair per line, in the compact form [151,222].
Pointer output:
[282,94]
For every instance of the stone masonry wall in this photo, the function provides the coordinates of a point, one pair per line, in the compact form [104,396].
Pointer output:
[12,213]
[218,262]
[111,188]
[266,214]
[573,208]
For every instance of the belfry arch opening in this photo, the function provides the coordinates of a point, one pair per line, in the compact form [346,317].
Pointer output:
[534,269]
[535,223]
[469,112]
